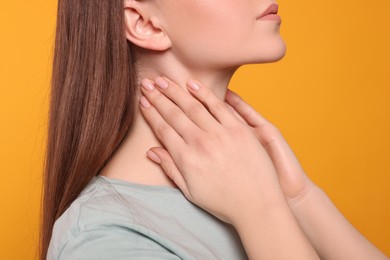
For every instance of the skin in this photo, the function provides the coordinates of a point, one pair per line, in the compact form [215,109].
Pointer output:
[185,39]
[207,163]
[255,208]
[209,40]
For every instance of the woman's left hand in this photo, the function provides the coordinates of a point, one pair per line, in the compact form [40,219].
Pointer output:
[293,180]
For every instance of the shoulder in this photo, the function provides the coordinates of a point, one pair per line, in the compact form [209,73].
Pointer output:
[102,223]
[113,219]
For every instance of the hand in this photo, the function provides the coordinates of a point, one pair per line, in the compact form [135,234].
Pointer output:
[293,180]
[216,159]
[213,157]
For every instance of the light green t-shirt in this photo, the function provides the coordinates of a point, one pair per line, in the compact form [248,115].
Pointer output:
[114,219]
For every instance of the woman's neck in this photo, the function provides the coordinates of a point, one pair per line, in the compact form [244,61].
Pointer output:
[151,65]
[130,163]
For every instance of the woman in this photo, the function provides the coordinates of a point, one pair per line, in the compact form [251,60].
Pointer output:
[105,198]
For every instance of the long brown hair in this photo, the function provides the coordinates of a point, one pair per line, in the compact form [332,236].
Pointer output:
[92,101]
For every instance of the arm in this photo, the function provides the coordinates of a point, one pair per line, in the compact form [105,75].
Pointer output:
[233,180]
[273,233]
[328,231]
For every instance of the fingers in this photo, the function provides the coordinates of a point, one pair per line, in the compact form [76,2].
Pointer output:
[163,158]
[169,112]
[216,106]
[239,117]
[267,133]
[164,132]
[246,111]
[191,108]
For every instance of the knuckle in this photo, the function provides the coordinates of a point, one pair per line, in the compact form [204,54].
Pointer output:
[219,105]
[162,131]
[206,148]
[239,130]
[193,109]
[201,141]
[236,100]
[209,98]
[173,114]
[272,132]
[241,133]
[209,146]
[248,112]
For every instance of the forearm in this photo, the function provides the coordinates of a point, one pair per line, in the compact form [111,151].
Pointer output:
[273,233]
[329,231]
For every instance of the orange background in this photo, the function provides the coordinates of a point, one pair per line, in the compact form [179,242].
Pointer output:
[330,97]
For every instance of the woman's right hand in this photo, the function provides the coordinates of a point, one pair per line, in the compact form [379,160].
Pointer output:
[212,157]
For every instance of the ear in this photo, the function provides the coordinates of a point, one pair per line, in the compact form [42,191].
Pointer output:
[142,28]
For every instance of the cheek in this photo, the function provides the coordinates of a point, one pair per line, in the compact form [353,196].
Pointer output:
[205,40]
[208,36]
[200,29]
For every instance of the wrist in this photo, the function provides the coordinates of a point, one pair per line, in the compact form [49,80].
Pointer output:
[312,195]
[268,229]
[255,209]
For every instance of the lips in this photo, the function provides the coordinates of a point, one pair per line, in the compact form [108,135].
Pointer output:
[272,9]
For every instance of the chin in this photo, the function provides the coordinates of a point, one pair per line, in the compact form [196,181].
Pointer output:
[275,51]
[277,55]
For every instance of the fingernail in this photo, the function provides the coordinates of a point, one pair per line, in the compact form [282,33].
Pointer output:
[147,84]
[153,156]
[144,102]
[162,83]
[194,85]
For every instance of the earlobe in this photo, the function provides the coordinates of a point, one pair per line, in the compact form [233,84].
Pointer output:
[141,30]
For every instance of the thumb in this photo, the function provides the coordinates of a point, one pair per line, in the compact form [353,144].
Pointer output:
[163,158]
